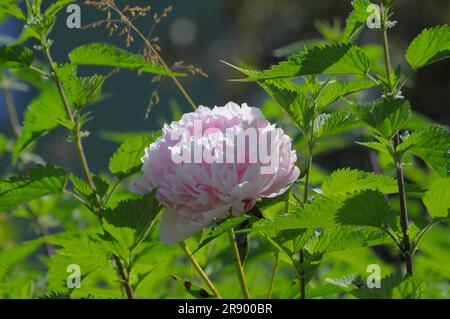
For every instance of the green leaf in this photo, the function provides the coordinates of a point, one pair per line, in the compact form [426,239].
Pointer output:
[348,180]
[15,57]
[334,123]
[131,220]
[317,214]
[57,6]
[42,181]
[10,9]
[356,20]
[127,159]
[367,208]
[3,144]
[345,237]
[335,90]
[430,46]
[81,91]
[292,99]
[437,198]
[386,116]
[108,55]
[394,286]
[44,114]
[329,60]
[430,144]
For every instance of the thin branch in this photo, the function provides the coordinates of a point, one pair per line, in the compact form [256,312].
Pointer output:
[239,268]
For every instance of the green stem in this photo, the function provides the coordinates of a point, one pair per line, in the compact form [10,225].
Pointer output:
[82,156]
[305,199]
[407,247]
[199,269]
[274,273]
[239,268]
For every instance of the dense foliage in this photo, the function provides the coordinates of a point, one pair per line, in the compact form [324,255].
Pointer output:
[317,240]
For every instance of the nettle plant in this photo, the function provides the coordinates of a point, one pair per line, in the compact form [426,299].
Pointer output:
[107,245]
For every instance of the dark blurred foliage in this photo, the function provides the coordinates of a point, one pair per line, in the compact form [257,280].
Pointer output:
[204,32]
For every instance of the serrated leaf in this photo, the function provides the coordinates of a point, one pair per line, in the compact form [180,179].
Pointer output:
[130,221]
[15,57]
[334,123]
[392,286]
[386,116]
[42,181]
[367,208]
[335,90]
[57,6]
[127,159]
[430,46]
[10,9]
[329,60]
[348,180]
[292,99]
[437,198]
[109,55]
[43,114]
[356,20]
[81,91]
[317,214]
[431,144]
[344,237]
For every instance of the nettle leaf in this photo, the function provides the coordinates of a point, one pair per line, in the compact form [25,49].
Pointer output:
[317,214]
[334,123]
[131,220]
[356,20]
[367,208]
[109,55]
[15,57]
[394,286]
[386,116]
[348,180]
[10,9]
[329,60]
[335,90]
[292,99]
[344,237]
[437,198]
[43,114]
[430,46]
[127,159]
[57,6]
[42,181]
[88,251]
[431,144]
[81,90]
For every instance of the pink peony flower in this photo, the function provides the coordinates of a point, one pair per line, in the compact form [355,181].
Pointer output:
[204,175]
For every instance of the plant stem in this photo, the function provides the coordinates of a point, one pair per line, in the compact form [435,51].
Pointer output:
[305,199]
[274,273]
[302,275]
[398,162]
[82,156]
[239,267]
[199,269]
[155,52]
[387,58]
[407,251]
[125,278]
[12,114]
